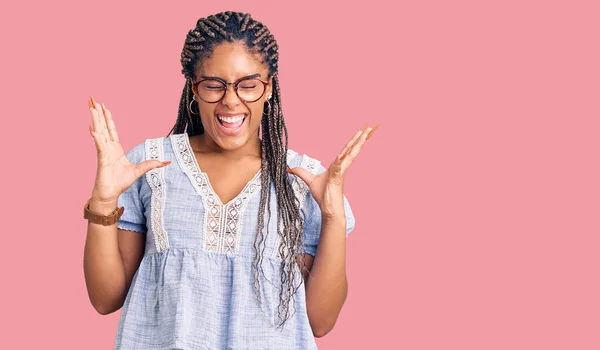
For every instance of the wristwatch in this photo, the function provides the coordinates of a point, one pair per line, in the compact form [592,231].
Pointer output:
[104,220]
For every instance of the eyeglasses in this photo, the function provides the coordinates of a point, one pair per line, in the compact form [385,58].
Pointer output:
[248,89]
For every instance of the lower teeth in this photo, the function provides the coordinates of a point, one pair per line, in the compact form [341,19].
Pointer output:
[221,122]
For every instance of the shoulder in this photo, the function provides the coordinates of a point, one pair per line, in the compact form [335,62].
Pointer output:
[295,159]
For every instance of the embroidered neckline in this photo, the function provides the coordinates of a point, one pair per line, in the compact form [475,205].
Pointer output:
[191,166]
[222,222]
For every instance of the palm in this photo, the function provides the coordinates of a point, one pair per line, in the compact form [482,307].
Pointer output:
[115,172]
[327,188]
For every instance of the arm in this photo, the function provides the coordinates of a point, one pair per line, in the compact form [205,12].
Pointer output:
[111,258]
[325,275]
[326,283]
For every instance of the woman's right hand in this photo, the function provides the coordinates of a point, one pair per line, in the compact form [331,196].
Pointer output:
[115,173]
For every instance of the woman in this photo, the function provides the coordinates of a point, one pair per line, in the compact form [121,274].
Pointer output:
[240,243]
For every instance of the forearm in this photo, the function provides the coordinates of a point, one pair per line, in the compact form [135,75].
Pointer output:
[327,286]
[102,263]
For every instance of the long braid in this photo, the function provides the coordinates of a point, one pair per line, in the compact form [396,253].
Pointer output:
[235,26]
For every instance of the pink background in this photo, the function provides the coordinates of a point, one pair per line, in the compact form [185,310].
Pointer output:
[477,200]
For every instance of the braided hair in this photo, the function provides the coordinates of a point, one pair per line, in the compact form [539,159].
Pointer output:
[199,43]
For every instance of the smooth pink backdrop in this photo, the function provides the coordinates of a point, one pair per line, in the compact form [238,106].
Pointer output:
[477,200]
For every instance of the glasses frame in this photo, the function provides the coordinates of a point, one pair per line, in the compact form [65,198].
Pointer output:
[235,87]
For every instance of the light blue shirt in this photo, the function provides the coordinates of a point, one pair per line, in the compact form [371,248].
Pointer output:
[194,288]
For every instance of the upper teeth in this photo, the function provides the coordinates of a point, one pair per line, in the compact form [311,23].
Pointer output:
[235,119]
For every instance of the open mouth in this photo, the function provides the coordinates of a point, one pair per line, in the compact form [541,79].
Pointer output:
[231,125]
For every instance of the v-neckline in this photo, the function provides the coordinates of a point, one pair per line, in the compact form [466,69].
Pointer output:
[212,191]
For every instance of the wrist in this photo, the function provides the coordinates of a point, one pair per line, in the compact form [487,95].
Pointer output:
[102,207]
[336,220]
[333,213]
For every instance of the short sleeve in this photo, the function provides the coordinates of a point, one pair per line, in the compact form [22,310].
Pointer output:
[312,219]
[133,218]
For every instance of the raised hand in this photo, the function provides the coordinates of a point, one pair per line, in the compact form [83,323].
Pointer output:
[115,173]
[327,188]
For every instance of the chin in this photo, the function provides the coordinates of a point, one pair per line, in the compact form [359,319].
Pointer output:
[232,144]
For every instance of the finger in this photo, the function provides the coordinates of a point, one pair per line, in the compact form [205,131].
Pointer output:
[352,140]
[96,125]
[99,144]
[353,153]
[104,129]
[148,165]
[372,131]
[303,174]
[112,129]
[351,143]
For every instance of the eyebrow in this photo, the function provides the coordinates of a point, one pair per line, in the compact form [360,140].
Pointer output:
[257,75]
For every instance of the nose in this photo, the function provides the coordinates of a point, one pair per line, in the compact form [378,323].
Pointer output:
[230,99]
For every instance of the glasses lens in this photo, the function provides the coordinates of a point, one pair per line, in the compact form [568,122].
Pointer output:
[211,90]
[250,90]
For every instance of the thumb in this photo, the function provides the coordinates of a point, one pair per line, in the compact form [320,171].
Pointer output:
[302,173]
[148,165]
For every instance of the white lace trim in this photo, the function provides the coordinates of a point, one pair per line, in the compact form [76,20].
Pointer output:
[300,191]
[222,223]
[155,178]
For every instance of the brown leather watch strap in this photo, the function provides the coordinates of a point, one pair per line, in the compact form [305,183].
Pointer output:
[104,220]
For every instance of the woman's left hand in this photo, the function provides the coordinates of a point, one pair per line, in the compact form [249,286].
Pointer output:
[327,188]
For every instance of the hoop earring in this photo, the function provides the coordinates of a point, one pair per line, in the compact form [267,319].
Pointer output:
[190,106]
[268,109]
